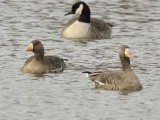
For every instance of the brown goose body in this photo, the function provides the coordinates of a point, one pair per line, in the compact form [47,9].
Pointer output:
[40,64]
[84,27]
[115,80]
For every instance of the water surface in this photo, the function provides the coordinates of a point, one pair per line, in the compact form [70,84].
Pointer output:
[70,95]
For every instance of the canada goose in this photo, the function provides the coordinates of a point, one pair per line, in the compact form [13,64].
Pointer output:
[84,27]
[113,80]
[40,64]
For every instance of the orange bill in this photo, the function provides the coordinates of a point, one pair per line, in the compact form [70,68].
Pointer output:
[29,47]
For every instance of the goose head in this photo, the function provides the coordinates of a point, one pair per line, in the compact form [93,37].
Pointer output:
[80,9]
[36,47]
[125,56]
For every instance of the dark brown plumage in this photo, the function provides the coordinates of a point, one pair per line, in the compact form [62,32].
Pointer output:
[40,64]
[112,80]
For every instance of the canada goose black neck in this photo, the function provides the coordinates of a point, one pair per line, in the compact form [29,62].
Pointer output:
[85,14]
[82,10]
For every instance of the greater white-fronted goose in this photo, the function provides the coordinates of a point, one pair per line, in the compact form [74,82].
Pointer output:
[40,64]
[114,80]
[84,27]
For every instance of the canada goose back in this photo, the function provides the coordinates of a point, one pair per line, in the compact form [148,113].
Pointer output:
[100,29]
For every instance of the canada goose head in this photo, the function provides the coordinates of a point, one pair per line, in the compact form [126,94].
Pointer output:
[36,47]
[125,55]
[82,10]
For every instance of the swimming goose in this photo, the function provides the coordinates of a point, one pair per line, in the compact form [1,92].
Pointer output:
[40,64]
[113,80]
[84,27]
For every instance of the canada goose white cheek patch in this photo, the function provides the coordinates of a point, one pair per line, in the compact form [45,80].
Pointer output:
[79,10]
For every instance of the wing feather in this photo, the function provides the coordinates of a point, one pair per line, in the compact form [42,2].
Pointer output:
[106,79]
[100,29]
[54,64]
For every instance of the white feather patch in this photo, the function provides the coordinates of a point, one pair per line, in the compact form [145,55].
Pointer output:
[87,75]
[77,30]
[79,10]
[100,83]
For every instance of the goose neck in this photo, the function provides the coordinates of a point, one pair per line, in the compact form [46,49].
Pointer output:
[125,65]
[39,57]
[84,18]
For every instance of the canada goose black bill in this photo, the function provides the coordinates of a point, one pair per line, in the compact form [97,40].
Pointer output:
[84,27]
[126,80]
[40,64]
[70,12]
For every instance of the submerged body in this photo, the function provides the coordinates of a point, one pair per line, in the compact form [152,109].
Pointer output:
[51,64]
[97,29]
[111,80]
[40,64]
[114,80]
[84,27]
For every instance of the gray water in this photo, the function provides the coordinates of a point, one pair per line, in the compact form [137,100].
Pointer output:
[70,95]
